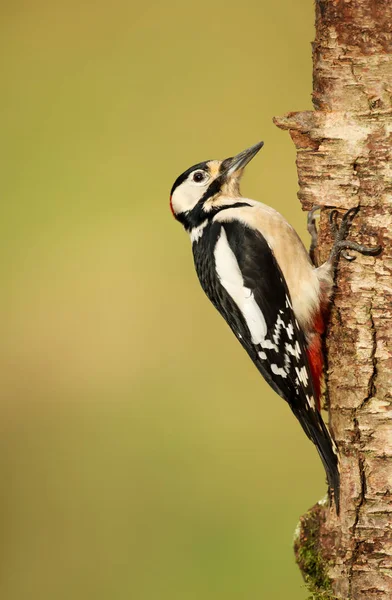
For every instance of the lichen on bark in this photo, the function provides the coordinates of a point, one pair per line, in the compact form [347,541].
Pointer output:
[344,159]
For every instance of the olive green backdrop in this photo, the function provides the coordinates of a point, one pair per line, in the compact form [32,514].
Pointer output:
[141,454]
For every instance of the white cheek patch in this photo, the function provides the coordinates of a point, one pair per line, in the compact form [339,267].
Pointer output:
[231,279]
[186,196]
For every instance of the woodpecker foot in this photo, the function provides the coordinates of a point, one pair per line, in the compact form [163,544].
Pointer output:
[312,229]
[340,233]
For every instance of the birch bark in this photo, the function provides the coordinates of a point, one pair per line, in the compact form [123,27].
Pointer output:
[344,159]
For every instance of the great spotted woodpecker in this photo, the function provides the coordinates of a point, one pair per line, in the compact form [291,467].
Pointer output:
[257,273]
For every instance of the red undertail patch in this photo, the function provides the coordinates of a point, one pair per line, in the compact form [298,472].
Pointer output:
[316,362]
[315,354]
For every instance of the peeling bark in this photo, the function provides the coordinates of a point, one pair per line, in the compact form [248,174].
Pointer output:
[344,159]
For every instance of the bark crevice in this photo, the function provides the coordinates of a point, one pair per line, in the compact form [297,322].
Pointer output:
[372,389]
[357,542]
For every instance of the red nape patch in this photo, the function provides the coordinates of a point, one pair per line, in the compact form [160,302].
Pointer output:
[316,362]
[171,207]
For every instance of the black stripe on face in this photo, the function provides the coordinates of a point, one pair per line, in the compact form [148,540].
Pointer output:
[212,190]
[195,217]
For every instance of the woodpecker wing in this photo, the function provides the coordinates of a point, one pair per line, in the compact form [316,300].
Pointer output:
[240,275]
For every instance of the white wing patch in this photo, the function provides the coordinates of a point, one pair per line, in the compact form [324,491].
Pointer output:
[293,350]
[268,345]
[290,331]
[276,334]
[312,404]
[278,370]
[302,375]
[230,276]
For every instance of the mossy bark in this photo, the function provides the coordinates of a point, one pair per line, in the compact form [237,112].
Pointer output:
[344,159]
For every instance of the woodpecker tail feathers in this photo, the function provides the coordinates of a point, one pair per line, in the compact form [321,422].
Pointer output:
[316,430]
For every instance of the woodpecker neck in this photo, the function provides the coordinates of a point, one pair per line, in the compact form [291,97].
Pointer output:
[201,213]
[193,218]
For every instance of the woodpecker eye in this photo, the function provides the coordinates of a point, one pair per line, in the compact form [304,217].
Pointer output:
[199,176]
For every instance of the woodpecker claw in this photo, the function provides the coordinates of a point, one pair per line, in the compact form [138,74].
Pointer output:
[332,218]
[340,233]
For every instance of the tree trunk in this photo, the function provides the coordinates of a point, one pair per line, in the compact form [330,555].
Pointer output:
[344,159]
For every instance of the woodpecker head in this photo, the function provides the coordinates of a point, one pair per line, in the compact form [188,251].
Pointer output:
[203,189]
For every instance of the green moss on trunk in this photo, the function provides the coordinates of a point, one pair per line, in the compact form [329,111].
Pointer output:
[306,547]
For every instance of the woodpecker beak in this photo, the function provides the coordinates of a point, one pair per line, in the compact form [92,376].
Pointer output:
[231,165]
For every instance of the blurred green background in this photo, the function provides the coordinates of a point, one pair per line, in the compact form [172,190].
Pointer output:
[141,454]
